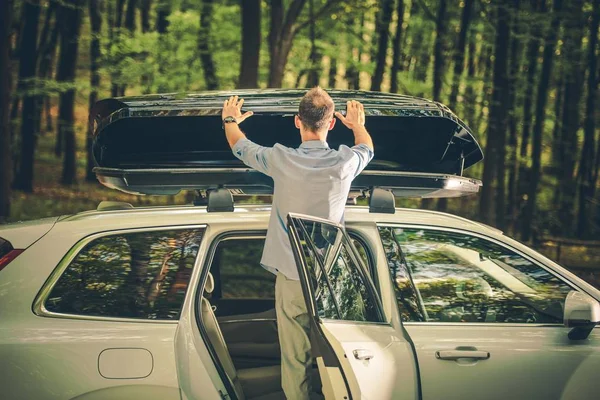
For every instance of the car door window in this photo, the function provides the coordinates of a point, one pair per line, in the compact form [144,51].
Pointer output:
[458,277]
[128,275]
[237,270]
[338,281]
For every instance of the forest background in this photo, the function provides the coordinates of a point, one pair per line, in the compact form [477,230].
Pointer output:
[523,74]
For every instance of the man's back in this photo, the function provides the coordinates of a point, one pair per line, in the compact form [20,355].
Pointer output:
[312,179]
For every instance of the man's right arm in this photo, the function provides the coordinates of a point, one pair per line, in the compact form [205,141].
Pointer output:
[355,120]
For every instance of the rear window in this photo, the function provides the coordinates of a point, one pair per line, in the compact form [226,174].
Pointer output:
[141,275]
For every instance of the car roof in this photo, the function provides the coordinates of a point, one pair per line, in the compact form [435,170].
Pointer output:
[247,215]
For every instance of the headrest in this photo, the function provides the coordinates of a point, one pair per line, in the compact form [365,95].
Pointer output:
[209,286]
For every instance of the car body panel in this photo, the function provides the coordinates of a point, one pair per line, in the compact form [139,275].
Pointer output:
[526,361]
[32,344]
[24,233]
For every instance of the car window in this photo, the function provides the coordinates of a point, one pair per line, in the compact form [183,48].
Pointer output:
[131,275]
[463,278]
[340,289]
[237,270]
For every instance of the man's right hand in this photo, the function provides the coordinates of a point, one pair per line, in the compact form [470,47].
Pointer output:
[355,120]
[355,115]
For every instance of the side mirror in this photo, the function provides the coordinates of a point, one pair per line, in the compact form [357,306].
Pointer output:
[582,313]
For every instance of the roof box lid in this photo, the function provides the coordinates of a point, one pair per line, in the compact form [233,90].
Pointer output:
[152,137]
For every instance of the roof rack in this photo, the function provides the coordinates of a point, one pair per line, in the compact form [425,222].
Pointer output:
[382,201]
[221,200]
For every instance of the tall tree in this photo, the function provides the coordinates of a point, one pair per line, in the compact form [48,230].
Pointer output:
[70,23]
[540,113]
[115,36]
[396,45]
[314,56]
[441,27]
[470,96]
[163,9]
[6,9]
[251,17]
[532,52]
[96,25]
[47,44]
[586,167]
[353,63]
[145,14]
[204,48]
[383,25]
[512,159]
[283,29]
[492,193]
[130,15]
[27,72]
[571,121]
[459,51]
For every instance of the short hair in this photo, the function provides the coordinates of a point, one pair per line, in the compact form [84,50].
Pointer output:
[316,109]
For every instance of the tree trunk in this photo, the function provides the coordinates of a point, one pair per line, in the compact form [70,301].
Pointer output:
[130,15]
[459,52]
[70,23]
[332,81]
[27,72]
[163,9]
[538,127]
[315,56]
[118,22]
[47,44]
[397,56]
[513,164]
[206,58]
[492,194]
[96,26]
[383,32]
[533,49]
[574,74]
[47,59]
[6,9]
[353,70]
[250,43]
[557,150]
[441,26]
[281,36]
[586,168]
[470,97]
[145,13]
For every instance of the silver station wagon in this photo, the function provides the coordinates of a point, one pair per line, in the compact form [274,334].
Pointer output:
[171,302]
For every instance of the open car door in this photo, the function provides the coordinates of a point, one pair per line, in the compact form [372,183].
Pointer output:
[359,353]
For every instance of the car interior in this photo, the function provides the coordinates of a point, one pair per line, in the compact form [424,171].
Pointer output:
[237,312]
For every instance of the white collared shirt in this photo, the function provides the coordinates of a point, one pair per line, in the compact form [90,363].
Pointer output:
[312,179]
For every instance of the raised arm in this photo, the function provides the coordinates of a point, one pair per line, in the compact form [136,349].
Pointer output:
[355,120]
[233,108]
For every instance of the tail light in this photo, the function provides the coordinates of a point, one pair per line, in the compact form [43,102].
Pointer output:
[7,253]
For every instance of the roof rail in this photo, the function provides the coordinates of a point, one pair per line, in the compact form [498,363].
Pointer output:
[113,205]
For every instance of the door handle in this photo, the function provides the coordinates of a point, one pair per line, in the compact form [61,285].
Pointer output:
[363,354]
[457,354]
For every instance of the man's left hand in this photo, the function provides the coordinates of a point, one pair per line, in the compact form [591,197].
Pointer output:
[233,108]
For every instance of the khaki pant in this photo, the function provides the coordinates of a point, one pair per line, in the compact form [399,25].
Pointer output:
[294,329]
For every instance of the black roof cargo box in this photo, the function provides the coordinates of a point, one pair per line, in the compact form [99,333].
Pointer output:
[161,144]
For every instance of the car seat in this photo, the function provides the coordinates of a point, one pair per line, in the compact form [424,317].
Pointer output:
[263,383]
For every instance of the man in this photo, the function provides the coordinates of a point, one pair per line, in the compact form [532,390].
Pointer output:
[314,180]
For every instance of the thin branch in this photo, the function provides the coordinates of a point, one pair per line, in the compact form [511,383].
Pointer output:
[427,11]
[318,14]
